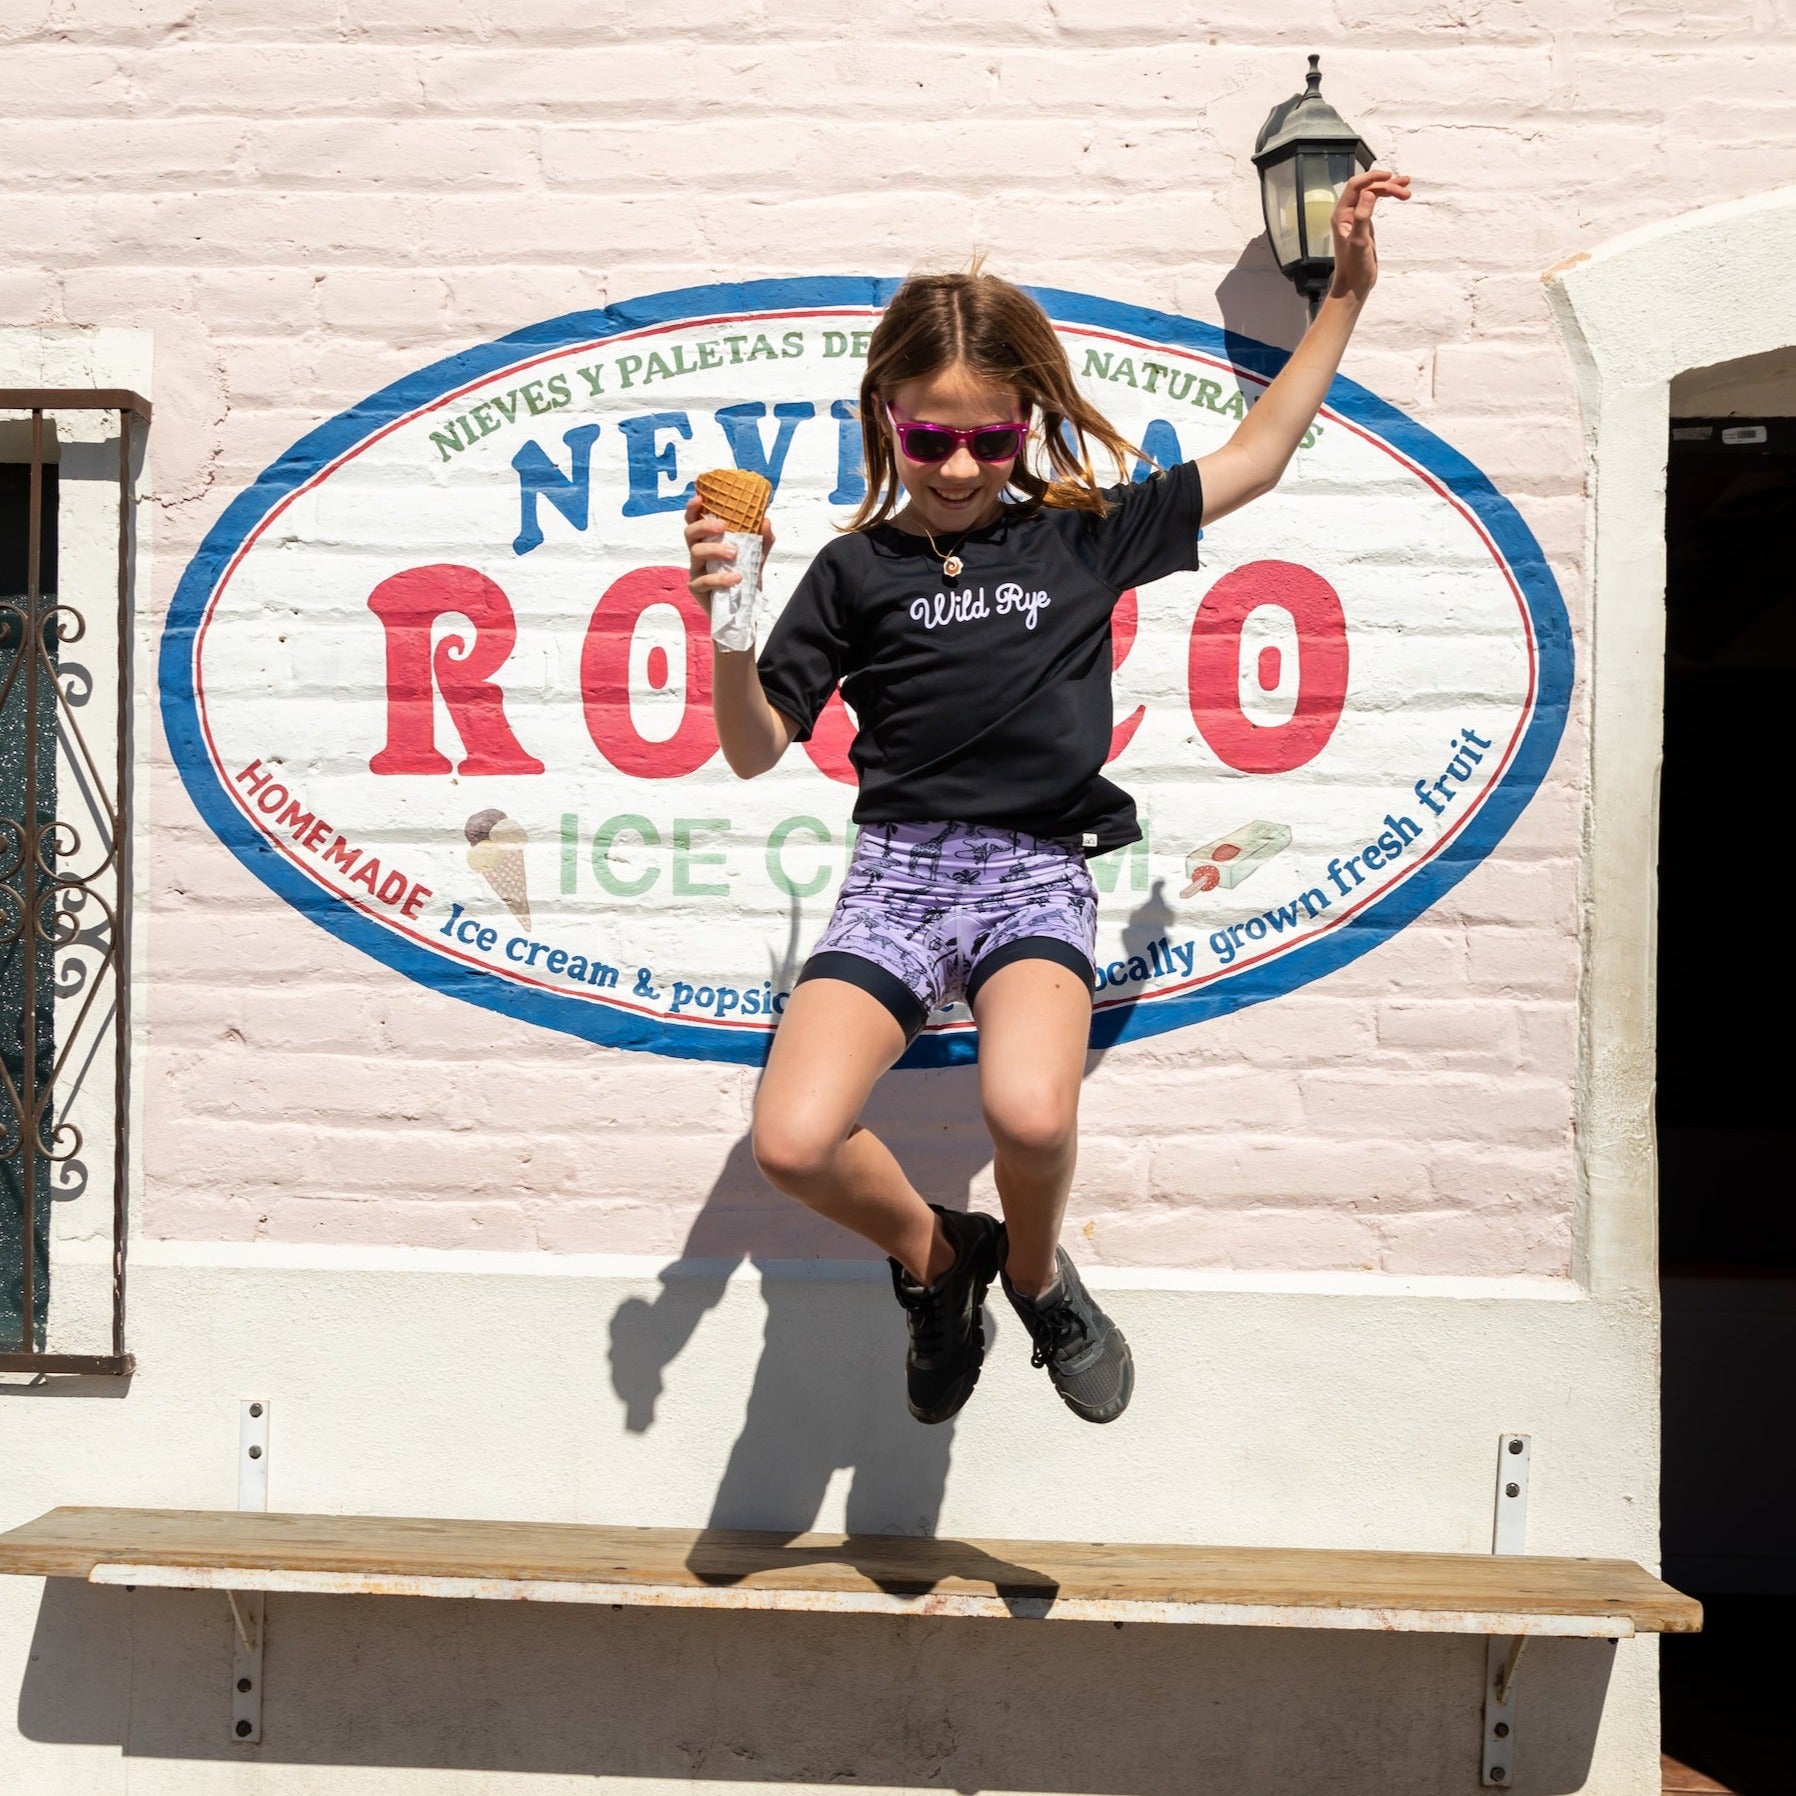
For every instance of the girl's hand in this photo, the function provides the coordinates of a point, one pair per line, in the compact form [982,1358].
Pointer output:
[710,556]
[1356,250]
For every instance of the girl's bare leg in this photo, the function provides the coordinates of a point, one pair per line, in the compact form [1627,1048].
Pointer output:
[833,1043]
[1034,1021]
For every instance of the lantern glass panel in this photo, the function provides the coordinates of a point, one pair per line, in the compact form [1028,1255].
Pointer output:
[1281,211]
[1322,176]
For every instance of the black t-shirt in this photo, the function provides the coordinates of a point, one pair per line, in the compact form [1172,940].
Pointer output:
[986,698]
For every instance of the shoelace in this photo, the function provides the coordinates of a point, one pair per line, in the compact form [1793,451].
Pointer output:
[929,1317]
[929,1325]
[1058,1326]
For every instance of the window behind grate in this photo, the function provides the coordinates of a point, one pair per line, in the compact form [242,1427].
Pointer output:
[27,960]
[65,680]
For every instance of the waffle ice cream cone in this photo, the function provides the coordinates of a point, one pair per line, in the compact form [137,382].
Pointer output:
[737,499]
[496,852]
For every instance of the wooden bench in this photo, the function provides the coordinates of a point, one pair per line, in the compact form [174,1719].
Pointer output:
[548,1562]
[1509,1596]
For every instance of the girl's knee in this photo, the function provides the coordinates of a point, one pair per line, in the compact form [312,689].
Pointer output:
[791,1154]
[1034,1121]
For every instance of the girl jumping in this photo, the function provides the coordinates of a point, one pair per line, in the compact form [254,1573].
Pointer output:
[983,728]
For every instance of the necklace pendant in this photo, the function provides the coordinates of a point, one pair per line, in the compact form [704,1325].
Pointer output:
[952,566]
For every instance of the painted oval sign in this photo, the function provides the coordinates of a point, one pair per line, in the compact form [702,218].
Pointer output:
[436,680]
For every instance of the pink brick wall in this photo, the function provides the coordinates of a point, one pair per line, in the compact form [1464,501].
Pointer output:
[306,201]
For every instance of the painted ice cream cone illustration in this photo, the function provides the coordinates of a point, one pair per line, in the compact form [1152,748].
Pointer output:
[496,853]
[738,499]
[1237,856]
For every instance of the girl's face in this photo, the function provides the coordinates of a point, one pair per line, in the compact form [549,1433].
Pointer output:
[961,493]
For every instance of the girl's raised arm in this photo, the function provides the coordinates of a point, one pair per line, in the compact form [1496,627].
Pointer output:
[1254,459]
[752,734]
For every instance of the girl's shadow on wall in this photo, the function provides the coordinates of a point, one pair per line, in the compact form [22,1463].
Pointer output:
[828,1392]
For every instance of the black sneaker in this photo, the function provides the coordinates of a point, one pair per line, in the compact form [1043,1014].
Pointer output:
[947,1326]
[1083,1350]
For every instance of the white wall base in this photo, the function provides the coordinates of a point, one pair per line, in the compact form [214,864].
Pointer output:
[1302,1419]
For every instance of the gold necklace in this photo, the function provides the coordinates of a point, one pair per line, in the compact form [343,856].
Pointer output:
[951,562]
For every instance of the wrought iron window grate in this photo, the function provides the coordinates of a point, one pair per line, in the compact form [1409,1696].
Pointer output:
[65,875]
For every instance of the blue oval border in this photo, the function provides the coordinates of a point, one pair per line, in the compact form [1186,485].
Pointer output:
[606,1027]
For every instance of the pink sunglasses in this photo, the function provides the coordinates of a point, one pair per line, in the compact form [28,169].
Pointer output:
[989,443]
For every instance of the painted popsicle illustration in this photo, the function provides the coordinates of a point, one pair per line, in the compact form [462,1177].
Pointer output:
[1234,857]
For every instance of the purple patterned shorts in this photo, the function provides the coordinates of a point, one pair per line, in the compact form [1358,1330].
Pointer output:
[929,911]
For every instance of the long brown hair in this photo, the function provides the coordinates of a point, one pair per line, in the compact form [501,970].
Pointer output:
[998,333]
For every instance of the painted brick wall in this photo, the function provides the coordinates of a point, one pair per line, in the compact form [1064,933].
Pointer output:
[307,201]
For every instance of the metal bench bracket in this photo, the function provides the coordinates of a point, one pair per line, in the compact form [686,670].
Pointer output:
[249,1607]
[1502,1655]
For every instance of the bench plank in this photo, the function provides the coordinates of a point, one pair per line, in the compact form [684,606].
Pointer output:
[726,1568]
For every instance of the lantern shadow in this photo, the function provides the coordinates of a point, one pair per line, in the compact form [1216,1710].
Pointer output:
[1259,306]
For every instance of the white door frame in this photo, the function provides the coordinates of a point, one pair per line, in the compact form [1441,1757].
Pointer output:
[1702,289]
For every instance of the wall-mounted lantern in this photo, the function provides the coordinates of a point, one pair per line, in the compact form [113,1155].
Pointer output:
[1306,153]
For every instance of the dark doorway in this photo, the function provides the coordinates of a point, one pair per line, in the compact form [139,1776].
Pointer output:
[1727,1102]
